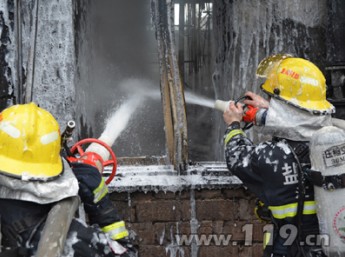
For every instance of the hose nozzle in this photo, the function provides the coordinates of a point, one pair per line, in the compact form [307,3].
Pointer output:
[68,131]
[221,105]
[99,149]
[251,114]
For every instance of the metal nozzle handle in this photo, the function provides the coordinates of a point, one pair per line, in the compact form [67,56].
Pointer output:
[68,131]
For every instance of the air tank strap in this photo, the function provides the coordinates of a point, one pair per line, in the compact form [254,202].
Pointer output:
[12,232]
[329,183]
[16,252]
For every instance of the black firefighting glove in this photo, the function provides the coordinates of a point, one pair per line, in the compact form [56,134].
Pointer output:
[262,212]
[94,194]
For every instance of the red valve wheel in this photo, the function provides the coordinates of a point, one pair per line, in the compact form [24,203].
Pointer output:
[112,161]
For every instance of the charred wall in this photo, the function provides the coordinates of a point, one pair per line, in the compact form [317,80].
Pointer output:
[335,36]
[335,70]
[247,31]
[37,55]
[7,65]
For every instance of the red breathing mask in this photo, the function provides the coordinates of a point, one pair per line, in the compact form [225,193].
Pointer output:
[250,113]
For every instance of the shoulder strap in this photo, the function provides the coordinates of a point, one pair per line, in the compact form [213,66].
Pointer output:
[16,252]
[329,183]
[299,151]
[12,231]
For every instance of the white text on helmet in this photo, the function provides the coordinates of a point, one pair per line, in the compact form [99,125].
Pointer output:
[309,81]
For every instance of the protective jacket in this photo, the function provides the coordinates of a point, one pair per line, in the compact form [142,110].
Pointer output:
[271,170]
[23,220]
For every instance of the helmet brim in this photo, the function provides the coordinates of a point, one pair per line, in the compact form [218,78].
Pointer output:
[30,171]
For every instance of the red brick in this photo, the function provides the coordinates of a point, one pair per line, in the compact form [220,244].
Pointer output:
[246,210]
[141,196]
[114,196]
[165,232]
[180,195]
[182,227]
[208,194]
[156,218]
[237,193]
[152,251]
[218,227]
[258,250]
[255,250]
[176,251]
[158,211]
[215,209]
[205,227]
[127,212]
[166,195]
[218,251]
[145,235]
[162,251]
[240,229]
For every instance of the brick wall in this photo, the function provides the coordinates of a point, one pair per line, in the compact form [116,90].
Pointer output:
[157,217]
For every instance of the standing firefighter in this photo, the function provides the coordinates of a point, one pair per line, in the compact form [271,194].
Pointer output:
[33,176]
[273,170]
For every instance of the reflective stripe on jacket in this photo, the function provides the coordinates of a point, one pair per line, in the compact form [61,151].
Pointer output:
[290,210]
[116,230]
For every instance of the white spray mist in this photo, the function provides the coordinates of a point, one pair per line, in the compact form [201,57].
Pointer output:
[116,124]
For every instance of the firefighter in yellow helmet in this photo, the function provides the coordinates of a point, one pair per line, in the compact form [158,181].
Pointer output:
[274,170]
[34,176]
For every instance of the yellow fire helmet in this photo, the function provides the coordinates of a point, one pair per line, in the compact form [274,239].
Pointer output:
[30,143]
[296,81]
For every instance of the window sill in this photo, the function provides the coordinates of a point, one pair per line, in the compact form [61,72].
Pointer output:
[202,175]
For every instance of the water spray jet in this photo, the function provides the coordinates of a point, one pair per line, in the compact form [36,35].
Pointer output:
[115,125]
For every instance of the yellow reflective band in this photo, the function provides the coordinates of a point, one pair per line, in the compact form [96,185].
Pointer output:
[284,211]
[233,133]
[9,129]
[266,239]
[100,191]
[309,207]
[290,210]
[116,230]
[49,138]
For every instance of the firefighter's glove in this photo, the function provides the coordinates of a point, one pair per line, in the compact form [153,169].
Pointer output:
[92,188]
[262,212]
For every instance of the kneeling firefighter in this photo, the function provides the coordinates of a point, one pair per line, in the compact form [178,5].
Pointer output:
[34,176]
[274,170]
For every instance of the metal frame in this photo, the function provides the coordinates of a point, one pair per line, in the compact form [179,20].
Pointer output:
[171,86]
